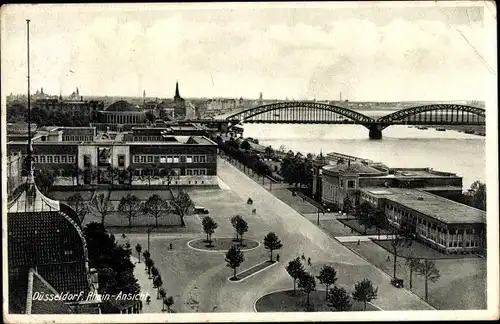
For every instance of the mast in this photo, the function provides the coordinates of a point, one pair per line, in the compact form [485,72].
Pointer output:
[29,157]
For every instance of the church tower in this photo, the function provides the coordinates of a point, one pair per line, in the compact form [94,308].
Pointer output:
[179,103]
[177,95]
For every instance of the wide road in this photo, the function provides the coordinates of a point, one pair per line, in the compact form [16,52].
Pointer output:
[299,236]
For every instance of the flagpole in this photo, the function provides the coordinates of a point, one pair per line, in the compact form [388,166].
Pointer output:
[29,100]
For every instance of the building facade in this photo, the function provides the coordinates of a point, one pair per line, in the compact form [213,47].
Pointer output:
[142,157]
[418,196]
[440,223]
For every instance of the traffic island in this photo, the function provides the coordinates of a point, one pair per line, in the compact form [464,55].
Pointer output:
[252,271]
[222,244]
[288,301]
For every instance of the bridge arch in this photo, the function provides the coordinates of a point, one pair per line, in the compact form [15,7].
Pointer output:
[300,112]
[448,114]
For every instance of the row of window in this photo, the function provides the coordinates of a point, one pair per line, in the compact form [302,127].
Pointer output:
[169,159]
[351,184]
[196,172]
[70,159]
[78,138]
[156,172]
[148,138]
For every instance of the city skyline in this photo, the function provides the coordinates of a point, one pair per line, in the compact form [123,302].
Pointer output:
[302,54]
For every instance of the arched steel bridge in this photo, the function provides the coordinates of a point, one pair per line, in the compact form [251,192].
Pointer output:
[307,112]
[311,112]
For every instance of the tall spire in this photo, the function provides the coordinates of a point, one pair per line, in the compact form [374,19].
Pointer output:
[177,95]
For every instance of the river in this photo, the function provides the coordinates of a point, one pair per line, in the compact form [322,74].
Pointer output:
[401,146]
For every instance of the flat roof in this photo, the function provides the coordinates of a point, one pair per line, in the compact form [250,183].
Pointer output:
[442,209]
[421,173]
[198,140]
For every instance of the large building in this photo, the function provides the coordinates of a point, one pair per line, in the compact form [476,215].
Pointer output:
[142,156]
[440,223]
[417,195]
[120,113]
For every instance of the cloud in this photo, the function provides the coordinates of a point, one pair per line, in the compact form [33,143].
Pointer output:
[400,60]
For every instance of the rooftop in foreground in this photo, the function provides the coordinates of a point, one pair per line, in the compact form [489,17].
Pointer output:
[442,209]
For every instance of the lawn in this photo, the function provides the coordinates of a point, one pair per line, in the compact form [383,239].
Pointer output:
[335,228]
[286,301]
[64,195]
[223,244]
[295,202]
[462,284]
[418,250]
[353,223]
[248,272]
[116,195]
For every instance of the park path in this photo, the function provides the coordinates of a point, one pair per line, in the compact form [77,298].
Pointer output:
[299,236]
[146,287]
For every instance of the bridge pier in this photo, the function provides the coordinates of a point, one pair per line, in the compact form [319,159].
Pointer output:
[375,132]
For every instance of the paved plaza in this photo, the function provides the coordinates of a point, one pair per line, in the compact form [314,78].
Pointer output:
[198,279]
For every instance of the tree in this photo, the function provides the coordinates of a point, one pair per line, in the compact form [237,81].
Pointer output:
[234,258]
[245,145]
[234,222]
[154,272]
[402,238]
[476,195]
[149,264]
[241,228]
[269,151]
[102,205]
[111,260]
[379,218]
[339,299]
[157,282]
[347,205]
[163,294]
[155,207]
[169,301]
[80,207]
[138,249]
[295,269]
[209,226]
[130,205]
[44,179]
[307,284]
[271,243]
[364,215]
[429,271]
[327,276]
[414,264]
[364,292]
[146,255]
[182,205]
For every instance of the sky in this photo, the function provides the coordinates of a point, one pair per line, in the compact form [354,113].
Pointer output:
[372,52]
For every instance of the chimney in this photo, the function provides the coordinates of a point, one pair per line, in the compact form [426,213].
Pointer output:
[81,98]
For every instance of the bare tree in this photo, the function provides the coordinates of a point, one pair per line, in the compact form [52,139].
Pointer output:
[182,205]
[155,207]
[429,271]
[103,206]
[130,205]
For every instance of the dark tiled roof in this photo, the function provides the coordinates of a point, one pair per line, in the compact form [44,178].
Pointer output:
[37,284]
